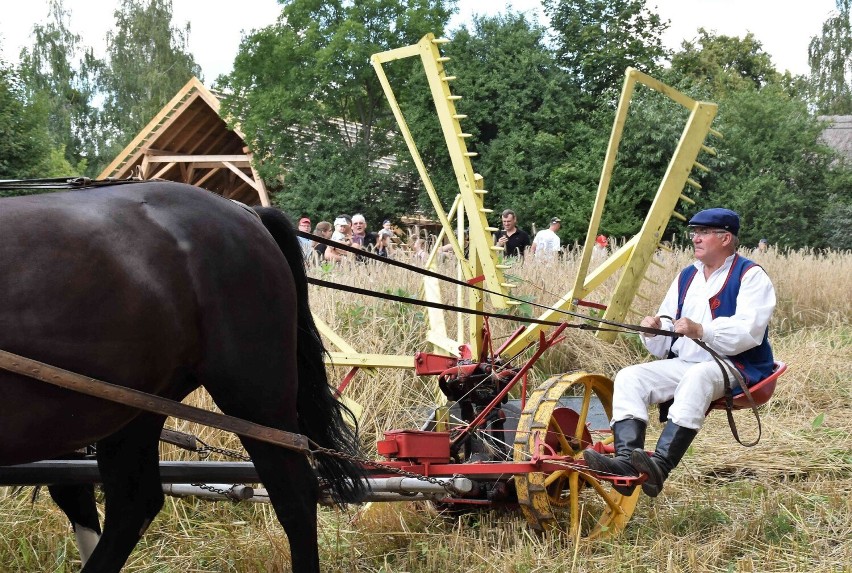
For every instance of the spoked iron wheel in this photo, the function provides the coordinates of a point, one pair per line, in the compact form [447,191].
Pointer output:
[570,500]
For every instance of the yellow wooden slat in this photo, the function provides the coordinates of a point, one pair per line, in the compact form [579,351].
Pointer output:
[370,360]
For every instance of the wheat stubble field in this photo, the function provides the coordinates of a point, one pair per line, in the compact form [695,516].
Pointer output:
[783,505]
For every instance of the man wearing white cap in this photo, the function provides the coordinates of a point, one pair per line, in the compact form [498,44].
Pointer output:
[724,300]
[342,234]
[546,242]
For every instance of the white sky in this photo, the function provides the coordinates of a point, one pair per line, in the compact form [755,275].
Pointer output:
[784,27]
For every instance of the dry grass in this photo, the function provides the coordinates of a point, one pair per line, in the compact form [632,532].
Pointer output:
[781,506]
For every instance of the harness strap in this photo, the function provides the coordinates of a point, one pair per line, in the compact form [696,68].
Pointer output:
[729,397]
[148,402]
[439,276]
[62,183]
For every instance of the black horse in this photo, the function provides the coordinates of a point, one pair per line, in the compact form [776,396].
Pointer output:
[164,287]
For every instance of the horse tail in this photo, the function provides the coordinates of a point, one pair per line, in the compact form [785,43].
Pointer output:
[322,417]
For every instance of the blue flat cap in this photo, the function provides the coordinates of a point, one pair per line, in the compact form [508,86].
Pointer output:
[717,218]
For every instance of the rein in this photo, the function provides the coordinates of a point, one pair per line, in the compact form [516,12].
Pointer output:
[61,183]
[472,284]
[727,370]
[148,402]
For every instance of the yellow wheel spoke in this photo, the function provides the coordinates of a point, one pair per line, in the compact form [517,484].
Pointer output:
[557,475]
[564,444]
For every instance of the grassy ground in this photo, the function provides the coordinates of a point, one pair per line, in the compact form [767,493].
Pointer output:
[783,505]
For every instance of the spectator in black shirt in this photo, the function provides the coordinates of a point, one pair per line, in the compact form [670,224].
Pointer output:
[513,239]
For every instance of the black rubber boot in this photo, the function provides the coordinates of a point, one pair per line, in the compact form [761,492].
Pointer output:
[627,435]
[672,445]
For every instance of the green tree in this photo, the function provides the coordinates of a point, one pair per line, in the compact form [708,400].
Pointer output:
[726,63]
[26,148]
[771,168]
[838,214]
[306,83]
[597,39]
[49,73]
[652,130]
[517,106]
[147,63]
[830,59]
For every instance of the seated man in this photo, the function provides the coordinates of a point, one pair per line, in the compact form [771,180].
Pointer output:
[725,301]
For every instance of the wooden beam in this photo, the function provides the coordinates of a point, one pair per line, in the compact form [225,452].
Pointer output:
[161,173]
[241,160]
[240,174]
[125,155]
[206,177]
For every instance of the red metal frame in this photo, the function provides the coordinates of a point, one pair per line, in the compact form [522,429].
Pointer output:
[543,344]
[429,453]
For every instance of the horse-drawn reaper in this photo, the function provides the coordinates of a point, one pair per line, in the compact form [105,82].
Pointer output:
[163,287]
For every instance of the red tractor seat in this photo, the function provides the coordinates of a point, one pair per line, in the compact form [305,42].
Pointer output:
[760,392]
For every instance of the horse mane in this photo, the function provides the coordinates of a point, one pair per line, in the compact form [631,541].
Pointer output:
[322,417]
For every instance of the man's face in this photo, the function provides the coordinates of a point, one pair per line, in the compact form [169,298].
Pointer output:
[359,227]
[509,222]
[305,226]
[709,243]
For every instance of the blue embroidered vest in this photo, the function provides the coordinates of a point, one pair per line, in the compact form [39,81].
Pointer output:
[754,364]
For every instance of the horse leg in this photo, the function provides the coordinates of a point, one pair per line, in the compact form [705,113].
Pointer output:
[129,465]
[77,501]
[287,475]
[293,490]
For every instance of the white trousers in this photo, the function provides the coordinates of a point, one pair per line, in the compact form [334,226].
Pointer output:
[693,385]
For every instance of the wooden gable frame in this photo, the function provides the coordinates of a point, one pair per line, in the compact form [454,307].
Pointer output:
[189,142]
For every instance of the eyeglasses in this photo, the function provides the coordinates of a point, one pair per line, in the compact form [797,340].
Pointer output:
[704,232]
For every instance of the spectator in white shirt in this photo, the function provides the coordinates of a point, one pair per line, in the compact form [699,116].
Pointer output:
[546,242]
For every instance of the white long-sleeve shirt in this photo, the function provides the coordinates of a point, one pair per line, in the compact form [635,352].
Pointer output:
[726,335]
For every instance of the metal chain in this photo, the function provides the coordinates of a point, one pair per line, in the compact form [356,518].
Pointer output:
[229,493]
[206,449]
[204,452]
[447,485]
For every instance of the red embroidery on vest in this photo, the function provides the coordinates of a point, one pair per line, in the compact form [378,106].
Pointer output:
[715,303]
